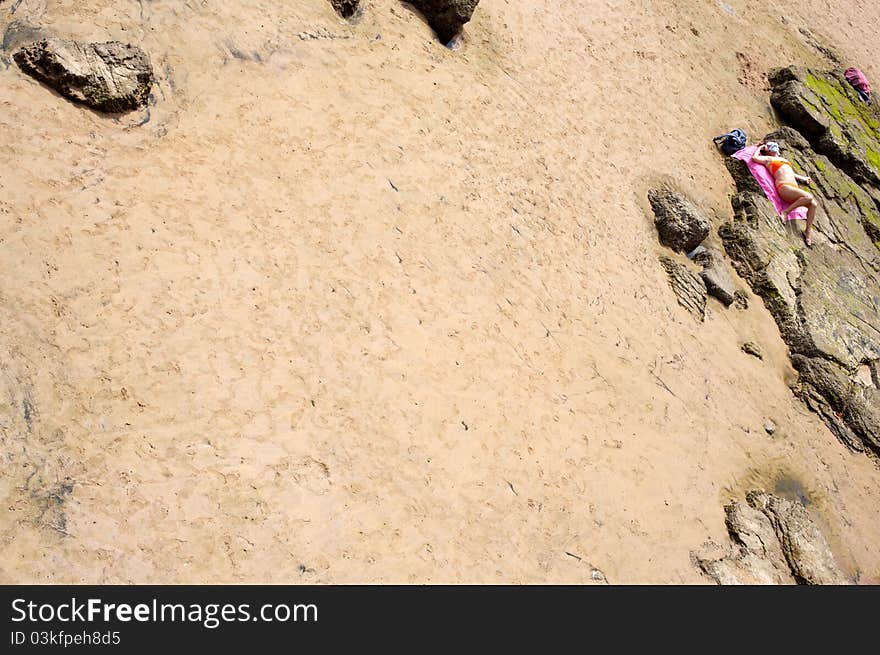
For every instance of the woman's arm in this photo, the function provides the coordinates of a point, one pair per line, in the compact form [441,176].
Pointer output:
[758,157]
[804,179]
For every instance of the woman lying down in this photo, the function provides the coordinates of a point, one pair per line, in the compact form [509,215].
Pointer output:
[787,184]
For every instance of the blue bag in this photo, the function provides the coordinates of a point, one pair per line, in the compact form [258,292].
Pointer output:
[732,142]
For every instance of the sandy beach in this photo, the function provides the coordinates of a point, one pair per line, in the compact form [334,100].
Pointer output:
[345,305]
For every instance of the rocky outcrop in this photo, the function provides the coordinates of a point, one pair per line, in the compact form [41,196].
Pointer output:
[109,77]
[849,404]
[347,8]
[826,301]
[774,541]
[446,17]
[824,108]
[688,287]
[718,281]
[679,222]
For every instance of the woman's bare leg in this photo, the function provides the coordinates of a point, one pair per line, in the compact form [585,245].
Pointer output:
[795,198]
[800,198]
[803,201]
[811,217]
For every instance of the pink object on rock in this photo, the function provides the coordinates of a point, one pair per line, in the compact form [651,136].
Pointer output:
[768,184]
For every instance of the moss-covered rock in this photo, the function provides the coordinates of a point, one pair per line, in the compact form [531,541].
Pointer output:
[826,300]
[848,216]
[823,107]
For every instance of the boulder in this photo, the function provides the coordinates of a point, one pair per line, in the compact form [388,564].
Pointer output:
[346,8]
[108,77]
[689,288]
[716,276]
[754,557]
[826,110]
[773,541]
[446,17]
[804,546]
[679,222]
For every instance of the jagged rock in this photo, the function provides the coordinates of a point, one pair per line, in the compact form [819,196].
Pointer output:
[774,541]
[346,8]
[826,301]
[740,300]
[680,224]
[752,349]
[827,111]
[755,556]
[847,215]
[715,275]
[447,17]
[108,77]
[850,408]
[803,544]
[689,288]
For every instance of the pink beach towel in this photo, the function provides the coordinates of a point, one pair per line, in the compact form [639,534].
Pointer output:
[768,184]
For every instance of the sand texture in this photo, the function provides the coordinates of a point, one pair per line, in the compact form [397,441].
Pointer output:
[345,305]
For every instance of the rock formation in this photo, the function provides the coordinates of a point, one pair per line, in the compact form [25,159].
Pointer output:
[681,225]
[689,288]
[826,301]
[447,17]
[824,108]
[346,8]
[716,276]
[774,541]
[109,77]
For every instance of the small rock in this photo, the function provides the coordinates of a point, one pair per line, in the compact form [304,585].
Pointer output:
[752,349]
[719,282]
[740,300]
[680,224]
[109,77]
[346,8]
[447,17]
[699,250]
[769,427]
[597,575]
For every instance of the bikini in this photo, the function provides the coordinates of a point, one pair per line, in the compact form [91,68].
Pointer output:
[774,165]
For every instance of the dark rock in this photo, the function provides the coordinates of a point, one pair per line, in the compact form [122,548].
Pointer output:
[826,302]
[688,287]
[108,77]
[827,111]
[681,225]
[715,275]
[346,8]
[850,408]
[447,17]
[773,541]
[740,300]
[752,349]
